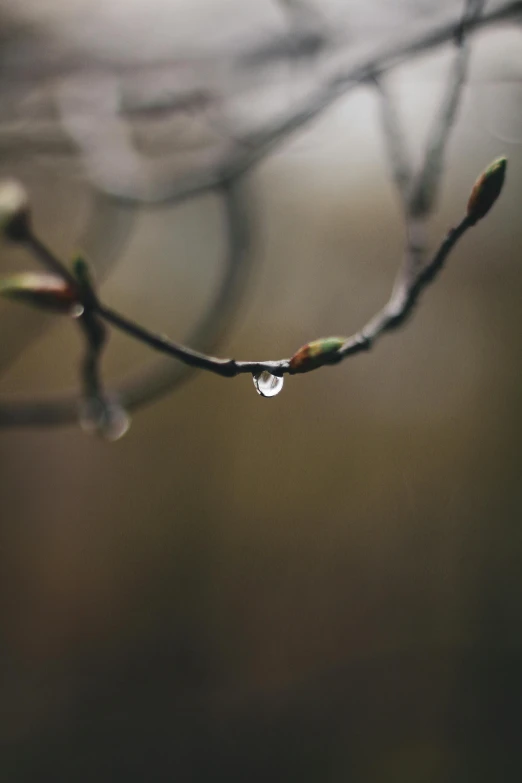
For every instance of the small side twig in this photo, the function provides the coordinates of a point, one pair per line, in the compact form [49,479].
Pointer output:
[418,190]
[146,385]
[399,160]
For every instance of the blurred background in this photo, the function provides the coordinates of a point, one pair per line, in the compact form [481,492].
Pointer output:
[323,586]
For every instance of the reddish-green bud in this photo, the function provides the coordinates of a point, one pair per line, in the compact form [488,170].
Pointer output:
[487,189]
[317,353]
[42,290]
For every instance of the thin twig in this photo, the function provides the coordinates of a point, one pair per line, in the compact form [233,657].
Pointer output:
[394,314]
[425,190]
[95,335]
[147,385]
[418,191]
[399,160]
[402,302]
[472,11]
[48,259]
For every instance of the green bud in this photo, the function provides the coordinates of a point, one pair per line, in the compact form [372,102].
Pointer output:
[317,353]
[487,189]
[42,290]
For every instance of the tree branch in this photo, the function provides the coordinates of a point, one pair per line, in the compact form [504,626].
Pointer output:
[398,158]
[412,280]
[394,314]
[146,386]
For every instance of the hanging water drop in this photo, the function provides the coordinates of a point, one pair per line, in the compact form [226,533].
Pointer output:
[268,385]
[77,310]
[106,418]
[117,422]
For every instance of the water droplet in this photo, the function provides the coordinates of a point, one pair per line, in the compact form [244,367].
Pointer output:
[116,424]
[268,385]
[104,417]
[77,310]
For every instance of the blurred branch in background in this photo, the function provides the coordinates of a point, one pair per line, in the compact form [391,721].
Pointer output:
[115,166]
[105,113]
[98,108]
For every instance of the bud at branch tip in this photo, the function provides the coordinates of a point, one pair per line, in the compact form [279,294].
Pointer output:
[486,189]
